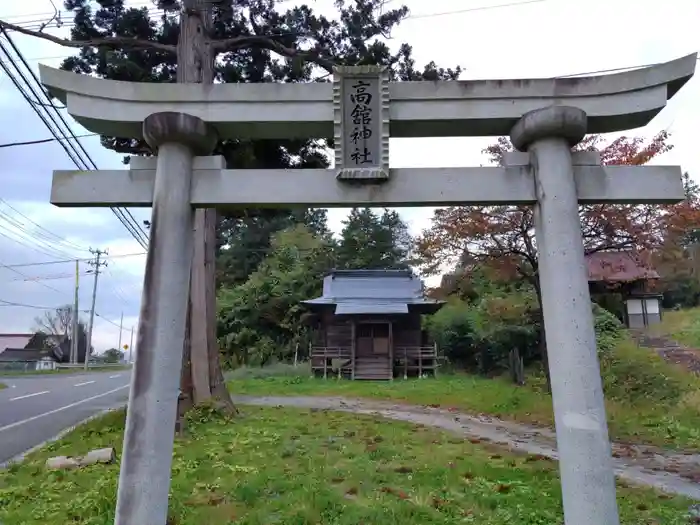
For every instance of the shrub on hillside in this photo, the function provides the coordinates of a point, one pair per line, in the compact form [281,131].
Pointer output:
[631,373]
[639,375]
[608,329]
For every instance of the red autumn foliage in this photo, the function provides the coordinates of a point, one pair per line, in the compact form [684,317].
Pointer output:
[501,238]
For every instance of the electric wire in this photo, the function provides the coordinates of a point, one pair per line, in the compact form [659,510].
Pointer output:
[39,230]
[26,276]
[19,229]
[78,157]
[39,22]
[36,307]
[31,245]
[69,260]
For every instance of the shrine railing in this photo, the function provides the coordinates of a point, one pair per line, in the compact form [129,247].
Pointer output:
[416,358]
[322,359]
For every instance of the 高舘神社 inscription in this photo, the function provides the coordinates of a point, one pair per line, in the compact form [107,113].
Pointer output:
[360,113]
[362,124]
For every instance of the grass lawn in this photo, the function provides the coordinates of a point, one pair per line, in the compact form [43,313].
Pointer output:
[681,325]
[2,385]
[293,467]
[648,401]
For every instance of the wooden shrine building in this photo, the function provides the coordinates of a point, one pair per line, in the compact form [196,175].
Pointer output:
[368,326]
[629,274]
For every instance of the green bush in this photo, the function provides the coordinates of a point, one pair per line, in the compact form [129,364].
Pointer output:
[478,336]
[452,329]
[608,329]
[504,322]
[681,292]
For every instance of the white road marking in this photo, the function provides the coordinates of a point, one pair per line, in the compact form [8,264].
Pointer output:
[85,383]
[60,409]
[29,395]
[116,375]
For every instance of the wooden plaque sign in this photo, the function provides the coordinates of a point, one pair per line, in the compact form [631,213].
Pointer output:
[361,123]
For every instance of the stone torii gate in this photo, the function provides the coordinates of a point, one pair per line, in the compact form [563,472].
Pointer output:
[361,109]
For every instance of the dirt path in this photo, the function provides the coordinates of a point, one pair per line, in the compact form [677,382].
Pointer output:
[666,471]
[670,350]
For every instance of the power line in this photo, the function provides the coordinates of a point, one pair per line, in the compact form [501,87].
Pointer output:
[44,141]
[38,240]
[31,244]
[26,276]
[36,307]
[22,305]
[61,261]
[49,277]
[118,291]
[48,234]
[107,320]
[125,216]
[72,153]
[473,9]
[40,22]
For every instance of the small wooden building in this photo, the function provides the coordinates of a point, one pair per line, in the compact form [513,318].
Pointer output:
[367,325]
[629,274]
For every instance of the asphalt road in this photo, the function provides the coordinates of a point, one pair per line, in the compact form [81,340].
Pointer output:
[35,409]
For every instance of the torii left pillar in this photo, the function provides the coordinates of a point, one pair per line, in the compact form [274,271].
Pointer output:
[144,476]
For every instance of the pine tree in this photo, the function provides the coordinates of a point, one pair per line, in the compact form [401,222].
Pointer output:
[371,241]
[256,41]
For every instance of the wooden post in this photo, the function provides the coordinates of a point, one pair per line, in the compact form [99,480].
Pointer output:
[311,359]
[391,351]
[405,363]
[325,362]
[436,362]
[420,363]
[353,347]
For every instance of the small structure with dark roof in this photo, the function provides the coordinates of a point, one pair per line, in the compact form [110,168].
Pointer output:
[630,274]
[28,352]
[368,325]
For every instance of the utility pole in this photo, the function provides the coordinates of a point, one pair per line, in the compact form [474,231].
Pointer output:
[131,345]
[96,264]
[121,327]
[75,336]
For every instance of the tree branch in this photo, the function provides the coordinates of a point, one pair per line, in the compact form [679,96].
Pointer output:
[266,42]
[110,41]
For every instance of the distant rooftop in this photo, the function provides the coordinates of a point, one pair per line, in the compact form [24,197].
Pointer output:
[374,292]
[619,266]
[14,340]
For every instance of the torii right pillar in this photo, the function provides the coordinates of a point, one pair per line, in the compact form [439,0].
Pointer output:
[585,461]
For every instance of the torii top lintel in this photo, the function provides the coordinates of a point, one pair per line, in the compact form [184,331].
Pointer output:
[613,102]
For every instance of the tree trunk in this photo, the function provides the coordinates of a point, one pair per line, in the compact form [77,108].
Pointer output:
[217,385]
[201,378]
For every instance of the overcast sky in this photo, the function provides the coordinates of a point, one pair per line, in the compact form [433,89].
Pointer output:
[536,39]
